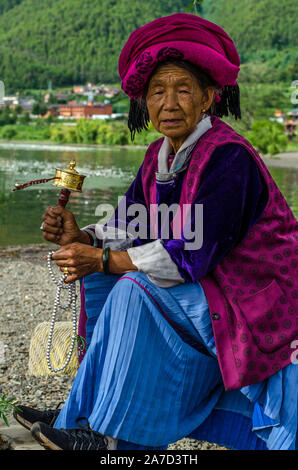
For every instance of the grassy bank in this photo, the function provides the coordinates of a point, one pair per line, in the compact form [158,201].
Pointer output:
[83,131]
[109,132]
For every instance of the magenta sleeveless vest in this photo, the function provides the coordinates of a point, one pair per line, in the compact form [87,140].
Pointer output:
[252,293]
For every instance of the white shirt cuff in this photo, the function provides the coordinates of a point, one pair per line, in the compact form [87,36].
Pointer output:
[154,260]
[116,239]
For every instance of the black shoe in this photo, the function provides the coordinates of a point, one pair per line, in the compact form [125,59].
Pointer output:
[83,438]
[26,416]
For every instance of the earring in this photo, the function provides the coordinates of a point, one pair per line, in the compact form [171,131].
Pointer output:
[204,110]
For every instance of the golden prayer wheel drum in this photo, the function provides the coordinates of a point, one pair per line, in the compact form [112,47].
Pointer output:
[69,178]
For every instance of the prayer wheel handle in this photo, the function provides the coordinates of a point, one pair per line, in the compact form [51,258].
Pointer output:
[67,179]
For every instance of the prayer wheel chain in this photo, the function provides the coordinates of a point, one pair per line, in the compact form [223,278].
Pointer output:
[72,302]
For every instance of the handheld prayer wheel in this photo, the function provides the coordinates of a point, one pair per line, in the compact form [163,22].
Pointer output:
[68,179]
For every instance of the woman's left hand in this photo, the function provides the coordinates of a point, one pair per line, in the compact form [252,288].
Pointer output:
[80,260]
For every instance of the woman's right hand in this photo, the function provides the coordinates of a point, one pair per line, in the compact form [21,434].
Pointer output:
[59,226]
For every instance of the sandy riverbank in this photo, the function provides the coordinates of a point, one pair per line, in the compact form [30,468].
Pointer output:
[26,299]
[282,160]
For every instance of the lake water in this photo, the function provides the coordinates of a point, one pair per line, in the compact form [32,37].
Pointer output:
[109,171]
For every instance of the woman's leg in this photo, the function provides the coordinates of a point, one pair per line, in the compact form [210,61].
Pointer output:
[96,289]
[139,380]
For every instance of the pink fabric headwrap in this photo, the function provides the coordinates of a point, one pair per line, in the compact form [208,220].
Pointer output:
[181,36]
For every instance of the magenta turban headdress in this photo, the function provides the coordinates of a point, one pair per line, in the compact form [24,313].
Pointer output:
[186,38]
[179,36]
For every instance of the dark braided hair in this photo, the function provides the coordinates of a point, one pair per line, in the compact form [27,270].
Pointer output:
[138,117]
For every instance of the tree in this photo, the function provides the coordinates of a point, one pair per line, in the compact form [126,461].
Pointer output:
[39,108]
[7,117]
[267,137]
[195,5]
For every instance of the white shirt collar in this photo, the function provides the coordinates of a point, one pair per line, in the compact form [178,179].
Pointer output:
[203,126]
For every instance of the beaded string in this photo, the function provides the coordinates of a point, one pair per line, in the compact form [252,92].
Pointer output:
[71,302]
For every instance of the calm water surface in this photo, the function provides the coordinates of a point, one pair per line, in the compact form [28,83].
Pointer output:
[108,174]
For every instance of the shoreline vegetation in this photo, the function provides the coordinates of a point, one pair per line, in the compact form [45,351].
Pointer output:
[83,131]
[285,159]
[266,136]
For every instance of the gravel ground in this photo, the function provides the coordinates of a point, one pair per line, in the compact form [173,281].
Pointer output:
[26,299]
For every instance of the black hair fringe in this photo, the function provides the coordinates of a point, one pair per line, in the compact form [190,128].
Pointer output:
[138,117]
[229,103]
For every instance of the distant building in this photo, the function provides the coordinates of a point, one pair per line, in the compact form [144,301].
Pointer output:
[10,101]
[52,110]
[79,110]
[104,90]
[293,113]
[109,92]
[27,104]
[60,96]
[279,116]
[79,89]
[291,123]
[288,120]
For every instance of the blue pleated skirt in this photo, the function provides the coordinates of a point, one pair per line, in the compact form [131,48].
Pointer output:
[150,375]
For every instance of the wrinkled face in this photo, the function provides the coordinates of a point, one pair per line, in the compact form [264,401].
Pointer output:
[175,101]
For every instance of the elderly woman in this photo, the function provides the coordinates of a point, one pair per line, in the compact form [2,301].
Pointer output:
[190,317]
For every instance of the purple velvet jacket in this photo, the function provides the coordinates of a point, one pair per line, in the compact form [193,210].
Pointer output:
[226,217]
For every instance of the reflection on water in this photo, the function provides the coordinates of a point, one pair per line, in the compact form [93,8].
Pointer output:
[109,172]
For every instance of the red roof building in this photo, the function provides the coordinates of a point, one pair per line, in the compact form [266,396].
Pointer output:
[77,111]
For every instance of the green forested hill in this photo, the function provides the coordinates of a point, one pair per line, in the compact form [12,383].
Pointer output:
[75,41]
[264,31]
[256,25]
[70,41]
[8,4]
